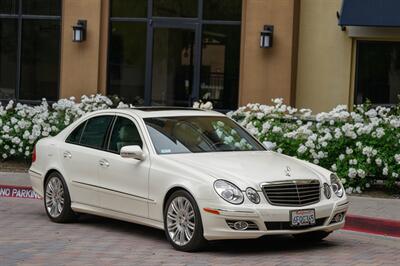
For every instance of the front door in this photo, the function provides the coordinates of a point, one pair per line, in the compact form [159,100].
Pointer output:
[124,182]
[173,65]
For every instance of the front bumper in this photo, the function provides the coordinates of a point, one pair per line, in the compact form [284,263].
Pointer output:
[264,216]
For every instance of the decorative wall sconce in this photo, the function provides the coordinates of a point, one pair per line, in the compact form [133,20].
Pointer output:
[266,37]
[79,31]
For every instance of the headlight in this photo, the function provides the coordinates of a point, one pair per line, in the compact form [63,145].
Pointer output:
[337,187]
[228,192]
[252,195]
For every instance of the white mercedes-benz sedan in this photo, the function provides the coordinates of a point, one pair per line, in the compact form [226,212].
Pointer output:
[196,174]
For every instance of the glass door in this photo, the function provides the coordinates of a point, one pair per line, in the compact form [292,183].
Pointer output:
[173,64]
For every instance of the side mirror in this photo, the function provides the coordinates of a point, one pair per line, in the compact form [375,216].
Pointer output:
[132,152]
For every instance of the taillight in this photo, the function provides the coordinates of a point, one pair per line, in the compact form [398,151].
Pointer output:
[34,154]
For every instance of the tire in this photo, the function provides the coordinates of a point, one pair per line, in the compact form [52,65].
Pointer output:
[314,236]
[57,201]
[181,215]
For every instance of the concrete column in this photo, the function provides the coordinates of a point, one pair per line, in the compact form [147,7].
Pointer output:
[269,72]
[80,61]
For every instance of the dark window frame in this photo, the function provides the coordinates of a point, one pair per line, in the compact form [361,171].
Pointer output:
[20,17]
[105,141]
[83,124]
[196,22]
[357,71]
[111,129]
[106,144]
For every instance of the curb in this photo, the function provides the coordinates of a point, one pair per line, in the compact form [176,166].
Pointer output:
[371,225]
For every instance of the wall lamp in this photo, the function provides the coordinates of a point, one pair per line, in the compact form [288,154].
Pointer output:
[79,31]
[267,36]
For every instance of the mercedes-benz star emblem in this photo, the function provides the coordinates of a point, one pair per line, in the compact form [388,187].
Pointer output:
[287,171]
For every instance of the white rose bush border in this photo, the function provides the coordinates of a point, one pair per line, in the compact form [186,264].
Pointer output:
[361,146]
[21,125]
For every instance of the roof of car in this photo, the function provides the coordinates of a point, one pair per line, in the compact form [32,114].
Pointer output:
[165,111]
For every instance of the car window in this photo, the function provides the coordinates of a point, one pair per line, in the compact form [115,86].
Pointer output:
[191,134]
[95,131]
[75,136]
[124,133]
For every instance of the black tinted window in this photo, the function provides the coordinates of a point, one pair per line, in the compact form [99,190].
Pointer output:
[124,133]
[95,131]
[40,59]
[75,136]
[222,10]
[128,8]
[378,72]
[175,8]
[42,7]
[8,7]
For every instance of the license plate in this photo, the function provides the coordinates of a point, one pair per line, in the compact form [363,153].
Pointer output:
[302,218]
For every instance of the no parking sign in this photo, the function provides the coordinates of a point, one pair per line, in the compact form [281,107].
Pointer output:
[18,192]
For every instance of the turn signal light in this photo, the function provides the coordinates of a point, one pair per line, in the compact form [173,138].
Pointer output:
[211,211]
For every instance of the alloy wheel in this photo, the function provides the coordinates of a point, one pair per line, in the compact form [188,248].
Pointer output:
[54,197]
[181,221]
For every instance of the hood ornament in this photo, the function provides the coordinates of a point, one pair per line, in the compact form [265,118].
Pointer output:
[287,171]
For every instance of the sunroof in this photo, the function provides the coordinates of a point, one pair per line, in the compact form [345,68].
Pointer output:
[164,108]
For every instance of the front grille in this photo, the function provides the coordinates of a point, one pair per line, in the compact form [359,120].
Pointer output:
[292,192]
[286,225]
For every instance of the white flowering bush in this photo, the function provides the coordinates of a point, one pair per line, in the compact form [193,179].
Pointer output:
[360,146]
[21,125]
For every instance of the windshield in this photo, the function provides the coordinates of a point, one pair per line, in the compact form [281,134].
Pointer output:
[192,134]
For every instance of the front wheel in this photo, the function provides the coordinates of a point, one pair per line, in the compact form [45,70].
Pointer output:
[182,222]
[57,202]
[314,236]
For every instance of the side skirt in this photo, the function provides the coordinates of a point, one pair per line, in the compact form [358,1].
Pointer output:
[79,207]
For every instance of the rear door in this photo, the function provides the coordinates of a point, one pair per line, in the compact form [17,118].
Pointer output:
[81,155]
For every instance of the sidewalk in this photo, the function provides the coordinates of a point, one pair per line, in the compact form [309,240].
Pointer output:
[371,215]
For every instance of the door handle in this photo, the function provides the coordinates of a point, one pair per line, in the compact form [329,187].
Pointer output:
[67,155]
[104,163]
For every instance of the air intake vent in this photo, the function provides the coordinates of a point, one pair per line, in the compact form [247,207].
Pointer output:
[292,192]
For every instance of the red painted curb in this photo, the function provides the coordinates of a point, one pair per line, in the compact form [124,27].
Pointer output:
[371,225]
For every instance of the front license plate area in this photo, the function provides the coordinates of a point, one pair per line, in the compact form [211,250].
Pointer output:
[299,218]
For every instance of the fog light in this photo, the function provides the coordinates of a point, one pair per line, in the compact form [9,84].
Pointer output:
[240,225]
[338,217]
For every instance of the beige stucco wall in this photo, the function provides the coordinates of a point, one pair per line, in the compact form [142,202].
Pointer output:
[268,73]
[80,61]
[324,70]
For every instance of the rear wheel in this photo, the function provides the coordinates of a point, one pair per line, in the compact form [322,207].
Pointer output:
[57,201]
[182,222]
[314,236]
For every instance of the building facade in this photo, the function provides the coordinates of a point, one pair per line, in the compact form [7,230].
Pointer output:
[172,52]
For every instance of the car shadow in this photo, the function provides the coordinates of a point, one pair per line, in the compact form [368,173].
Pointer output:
[112,225]
[265,244]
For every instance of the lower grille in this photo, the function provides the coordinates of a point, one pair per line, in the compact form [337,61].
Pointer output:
[292,192]
[286,225]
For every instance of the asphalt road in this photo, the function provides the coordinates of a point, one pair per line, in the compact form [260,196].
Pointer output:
[27,237]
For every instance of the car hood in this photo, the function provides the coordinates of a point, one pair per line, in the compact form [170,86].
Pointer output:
[251,168]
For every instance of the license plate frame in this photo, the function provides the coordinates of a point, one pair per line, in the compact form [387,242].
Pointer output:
[302,218]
